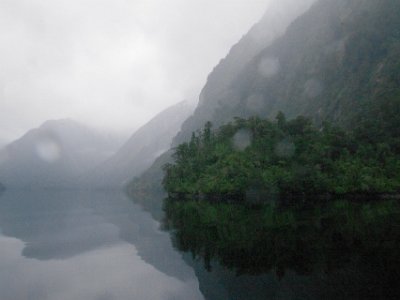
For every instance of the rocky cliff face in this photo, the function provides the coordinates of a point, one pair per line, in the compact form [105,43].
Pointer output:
[219,92]
[331,63]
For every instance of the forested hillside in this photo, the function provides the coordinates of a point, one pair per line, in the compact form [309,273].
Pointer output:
[306,134]
[333,63]
[254,159]
[337,62]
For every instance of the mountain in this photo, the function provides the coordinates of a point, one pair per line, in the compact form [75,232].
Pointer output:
[219,85]
[54,155]
[338,62]
[272,25]
[332,63]
[141,150]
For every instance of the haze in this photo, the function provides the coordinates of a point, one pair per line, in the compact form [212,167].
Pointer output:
[110,64]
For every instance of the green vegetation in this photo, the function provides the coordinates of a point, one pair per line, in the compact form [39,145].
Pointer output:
[338,62]
[258,158]
[347,250]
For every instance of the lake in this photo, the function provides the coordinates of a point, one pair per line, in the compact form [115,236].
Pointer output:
[82,245]
[103,246]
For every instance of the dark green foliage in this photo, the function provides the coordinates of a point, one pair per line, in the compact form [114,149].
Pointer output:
[347,250]
[339,62]
[255,159]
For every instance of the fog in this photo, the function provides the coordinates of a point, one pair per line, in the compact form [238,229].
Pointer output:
[110,64]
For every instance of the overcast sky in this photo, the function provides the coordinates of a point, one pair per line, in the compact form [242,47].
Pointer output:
[110,63]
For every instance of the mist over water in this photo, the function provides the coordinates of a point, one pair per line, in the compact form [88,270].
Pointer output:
[257,141]
[71,245]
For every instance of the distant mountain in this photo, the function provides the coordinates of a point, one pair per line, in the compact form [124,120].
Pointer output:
[338,61]
[141,150]
[3,143]
[54,155]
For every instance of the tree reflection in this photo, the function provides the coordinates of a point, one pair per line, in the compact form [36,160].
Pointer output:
[347,250]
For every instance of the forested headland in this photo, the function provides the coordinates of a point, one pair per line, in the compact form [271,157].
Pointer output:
[256,158]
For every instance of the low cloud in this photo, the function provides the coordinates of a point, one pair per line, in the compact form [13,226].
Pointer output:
[111,64]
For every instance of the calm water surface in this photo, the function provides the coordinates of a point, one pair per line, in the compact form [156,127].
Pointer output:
[72,245]
[104,246]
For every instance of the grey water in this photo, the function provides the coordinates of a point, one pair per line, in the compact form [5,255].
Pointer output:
[57,245]
[87,245]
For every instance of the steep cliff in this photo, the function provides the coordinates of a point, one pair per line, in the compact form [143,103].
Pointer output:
[332,63]
[336,62]
[219,92]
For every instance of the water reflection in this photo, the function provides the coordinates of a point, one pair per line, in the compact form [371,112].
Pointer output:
[343,250]
[54,225]
[71,245]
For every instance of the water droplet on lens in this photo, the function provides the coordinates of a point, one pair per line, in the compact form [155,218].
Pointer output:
[48,149]
[268,67]
[242,139]
[285,148]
